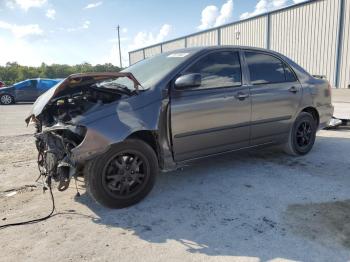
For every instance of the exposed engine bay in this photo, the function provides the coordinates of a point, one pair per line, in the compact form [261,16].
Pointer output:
[78,100]
[57,132]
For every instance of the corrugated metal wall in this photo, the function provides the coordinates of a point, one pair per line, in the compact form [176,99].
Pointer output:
[152,51]
[136,56]
[203,39]
[309,36]
[308,33]
[173,45]
[248,33]
[344,80]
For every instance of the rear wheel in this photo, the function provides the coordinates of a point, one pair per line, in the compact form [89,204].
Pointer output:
[124,175]
[6,99]
[302,135]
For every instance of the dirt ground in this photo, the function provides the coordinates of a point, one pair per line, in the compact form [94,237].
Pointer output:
[249,206]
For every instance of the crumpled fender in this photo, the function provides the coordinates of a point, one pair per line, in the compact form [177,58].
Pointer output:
[113,125]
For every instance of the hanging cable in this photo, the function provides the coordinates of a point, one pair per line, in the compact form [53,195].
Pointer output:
[38,219]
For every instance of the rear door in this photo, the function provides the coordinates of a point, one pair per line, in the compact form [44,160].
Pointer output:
[44,85]
[275,93]
[214,117]
[27,91]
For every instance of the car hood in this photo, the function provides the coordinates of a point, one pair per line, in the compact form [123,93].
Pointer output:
[6,89]
[45,98]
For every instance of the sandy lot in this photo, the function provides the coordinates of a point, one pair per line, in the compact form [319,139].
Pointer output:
[249,206]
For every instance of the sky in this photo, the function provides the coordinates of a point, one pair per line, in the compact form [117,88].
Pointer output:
[78,31]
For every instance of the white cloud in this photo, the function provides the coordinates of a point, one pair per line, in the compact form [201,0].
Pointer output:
[148,38]
[84,26]
[25,4]
[264,6]
[21,31]
[124,30]
[211,16]
[225,13]
[141,39]
[23,52]
[93,5]
[51,14]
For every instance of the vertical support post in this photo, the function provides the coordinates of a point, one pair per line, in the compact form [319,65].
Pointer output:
[340,42]
[219,36]
[185,42]
[161,48]
[143,51]
[268,32]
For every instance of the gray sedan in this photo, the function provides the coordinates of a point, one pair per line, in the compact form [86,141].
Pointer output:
[119,129]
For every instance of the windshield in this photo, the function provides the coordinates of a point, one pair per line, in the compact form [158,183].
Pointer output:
[149,71]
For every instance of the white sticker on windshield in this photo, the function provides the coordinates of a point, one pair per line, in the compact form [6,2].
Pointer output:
[178,55]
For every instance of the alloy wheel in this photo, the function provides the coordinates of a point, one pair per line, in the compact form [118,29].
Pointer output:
[6,99]
[304,134]
[125,174]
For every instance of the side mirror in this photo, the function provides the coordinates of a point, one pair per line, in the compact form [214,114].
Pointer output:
[188,81]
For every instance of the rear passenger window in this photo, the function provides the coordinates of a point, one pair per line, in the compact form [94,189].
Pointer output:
[267,69]
[218,69]
[290,77]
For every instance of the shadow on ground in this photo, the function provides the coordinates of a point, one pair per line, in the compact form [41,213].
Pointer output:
[257,204]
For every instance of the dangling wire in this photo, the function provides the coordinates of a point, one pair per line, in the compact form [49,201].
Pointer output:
[38,219]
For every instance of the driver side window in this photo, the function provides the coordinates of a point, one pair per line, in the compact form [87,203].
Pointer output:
[218,69]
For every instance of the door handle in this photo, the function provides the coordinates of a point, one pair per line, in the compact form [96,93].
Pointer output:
[293,89]
[241,96]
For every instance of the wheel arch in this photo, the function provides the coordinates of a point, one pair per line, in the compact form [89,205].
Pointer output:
[11,95]
[147,136]
[313,111]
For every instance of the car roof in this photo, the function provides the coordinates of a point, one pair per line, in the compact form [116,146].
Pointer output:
[208,48]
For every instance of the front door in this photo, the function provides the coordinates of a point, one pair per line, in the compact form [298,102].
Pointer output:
[27,91]
[214,117]
[275,94]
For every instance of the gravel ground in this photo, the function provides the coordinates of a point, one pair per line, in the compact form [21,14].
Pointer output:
[249,206]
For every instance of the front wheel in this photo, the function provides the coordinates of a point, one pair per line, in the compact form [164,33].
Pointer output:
[302,135]
[124,175]
[6,100]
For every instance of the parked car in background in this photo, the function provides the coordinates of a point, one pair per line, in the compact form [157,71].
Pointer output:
[119,129]
[2,84]
[26,91]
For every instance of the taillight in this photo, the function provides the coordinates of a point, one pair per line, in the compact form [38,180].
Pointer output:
[330,89]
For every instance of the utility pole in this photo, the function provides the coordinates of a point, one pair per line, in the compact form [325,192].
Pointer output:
[120,53]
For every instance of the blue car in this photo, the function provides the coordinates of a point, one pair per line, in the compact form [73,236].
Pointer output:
[26,91]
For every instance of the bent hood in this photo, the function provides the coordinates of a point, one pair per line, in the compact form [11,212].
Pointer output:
[73,80]
[6,89]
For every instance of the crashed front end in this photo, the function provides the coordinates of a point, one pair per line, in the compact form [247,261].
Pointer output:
[55,157]
[65,135]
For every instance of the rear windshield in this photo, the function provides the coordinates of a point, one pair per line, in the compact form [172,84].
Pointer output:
[150,71]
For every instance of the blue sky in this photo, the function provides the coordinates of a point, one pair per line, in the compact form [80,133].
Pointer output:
[76,31]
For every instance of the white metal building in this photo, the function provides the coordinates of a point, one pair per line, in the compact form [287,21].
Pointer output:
[315,34]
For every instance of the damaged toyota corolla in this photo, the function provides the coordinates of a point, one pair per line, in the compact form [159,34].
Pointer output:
[119,129]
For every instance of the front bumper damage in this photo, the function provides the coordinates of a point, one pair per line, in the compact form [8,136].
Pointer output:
[56,159]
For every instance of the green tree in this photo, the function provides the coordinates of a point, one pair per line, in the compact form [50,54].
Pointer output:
[12,72]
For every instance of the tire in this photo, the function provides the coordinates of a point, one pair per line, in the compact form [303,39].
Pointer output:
[6,99]
[123,176]
[302,135]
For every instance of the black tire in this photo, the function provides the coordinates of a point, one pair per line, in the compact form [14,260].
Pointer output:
[302,135]
[119,171]
[6,99]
